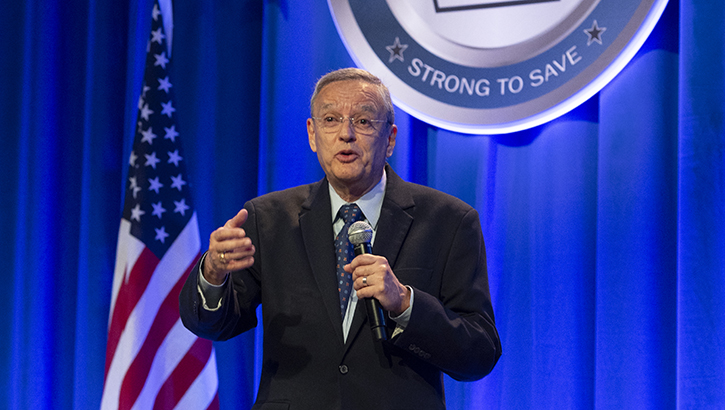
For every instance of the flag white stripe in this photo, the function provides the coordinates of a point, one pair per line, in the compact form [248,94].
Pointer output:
[202,391]
[128,250]
[167,13]
[174,347]
[170,268]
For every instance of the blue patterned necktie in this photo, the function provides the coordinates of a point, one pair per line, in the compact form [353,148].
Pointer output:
[344,253]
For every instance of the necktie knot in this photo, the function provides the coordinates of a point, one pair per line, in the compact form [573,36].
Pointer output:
[350,213]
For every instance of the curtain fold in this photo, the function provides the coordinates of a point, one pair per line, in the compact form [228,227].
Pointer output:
[701,215]
[604,229]
[637,237]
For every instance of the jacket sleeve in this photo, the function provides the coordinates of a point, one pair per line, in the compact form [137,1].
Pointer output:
[452,327]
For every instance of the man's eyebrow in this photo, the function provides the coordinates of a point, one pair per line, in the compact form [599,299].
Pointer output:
[368,108]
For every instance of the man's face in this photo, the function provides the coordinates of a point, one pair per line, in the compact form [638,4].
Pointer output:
[352,161]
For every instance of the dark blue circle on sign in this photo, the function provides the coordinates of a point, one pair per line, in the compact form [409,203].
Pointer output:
[485,66]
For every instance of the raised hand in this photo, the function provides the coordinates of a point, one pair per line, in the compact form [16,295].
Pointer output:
[229,250]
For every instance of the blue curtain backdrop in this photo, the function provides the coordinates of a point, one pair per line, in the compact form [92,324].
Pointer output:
[605,228]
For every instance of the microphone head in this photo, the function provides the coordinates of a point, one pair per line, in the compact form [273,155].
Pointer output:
[360,232]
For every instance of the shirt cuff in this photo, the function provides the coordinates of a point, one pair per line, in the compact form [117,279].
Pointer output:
[402,319]
[211,295]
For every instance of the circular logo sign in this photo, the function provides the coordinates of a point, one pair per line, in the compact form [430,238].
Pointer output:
[493,66]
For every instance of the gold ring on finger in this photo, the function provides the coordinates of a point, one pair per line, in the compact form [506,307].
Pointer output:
[222,256]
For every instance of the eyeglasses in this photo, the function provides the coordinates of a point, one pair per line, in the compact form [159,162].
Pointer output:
[362,126]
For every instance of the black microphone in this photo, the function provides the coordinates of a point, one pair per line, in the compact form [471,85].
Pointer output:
[360,234]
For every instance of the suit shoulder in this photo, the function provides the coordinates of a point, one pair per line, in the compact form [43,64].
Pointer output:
[430,197]
[294,196]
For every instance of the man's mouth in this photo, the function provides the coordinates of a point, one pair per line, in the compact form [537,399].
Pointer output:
[346,156]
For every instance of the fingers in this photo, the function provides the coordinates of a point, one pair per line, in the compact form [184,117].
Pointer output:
[227,256]
[235,259]
[231,231]
[369,275]
[229,249]
[226,240]
[238,219]
[238,252]
[373,278]
[230,245]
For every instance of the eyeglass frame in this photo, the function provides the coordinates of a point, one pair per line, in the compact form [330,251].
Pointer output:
[351,120]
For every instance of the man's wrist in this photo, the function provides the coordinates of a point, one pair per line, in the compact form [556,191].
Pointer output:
[405,305]
[405,302]
[213,280]
[211,295]
[402,319]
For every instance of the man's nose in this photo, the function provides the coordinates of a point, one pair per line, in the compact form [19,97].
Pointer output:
[347,130]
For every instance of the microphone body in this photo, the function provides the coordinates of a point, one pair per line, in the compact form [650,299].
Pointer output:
[360,234]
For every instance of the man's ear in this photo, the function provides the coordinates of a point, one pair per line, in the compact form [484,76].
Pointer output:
[311,134]
[391,140]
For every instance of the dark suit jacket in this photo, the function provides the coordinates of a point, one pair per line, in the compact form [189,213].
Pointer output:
[433,243]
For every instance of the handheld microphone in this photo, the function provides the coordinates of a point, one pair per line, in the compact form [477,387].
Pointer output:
[360,234]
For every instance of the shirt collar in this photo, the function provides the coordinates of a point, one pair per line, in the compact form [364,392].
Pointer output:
[370,204]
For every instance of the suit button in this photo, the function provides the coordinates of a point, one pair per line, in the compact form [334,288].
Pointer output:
[343,369]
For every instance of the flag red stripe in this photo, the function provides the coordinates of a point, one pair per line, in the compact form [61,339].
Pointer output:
[184,375]
[128,295]
[165,319]
[214,405]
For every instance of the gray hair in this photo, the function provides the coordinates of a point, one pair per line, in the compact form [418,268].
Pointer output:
[355,74]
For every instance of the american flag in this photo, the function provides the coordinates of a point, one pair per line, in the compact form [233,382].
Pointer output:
[152,360]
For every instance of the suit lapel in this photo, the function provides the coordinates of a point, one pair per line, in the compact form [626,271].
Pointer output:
[317,235]
[395,218]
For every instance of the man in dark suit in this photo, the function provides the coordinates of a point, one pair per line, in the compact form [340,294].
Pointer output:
[427,270]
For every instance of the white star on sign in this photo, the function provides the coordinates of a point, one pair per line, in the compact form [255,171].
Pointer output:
[595,33]
[396,50]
